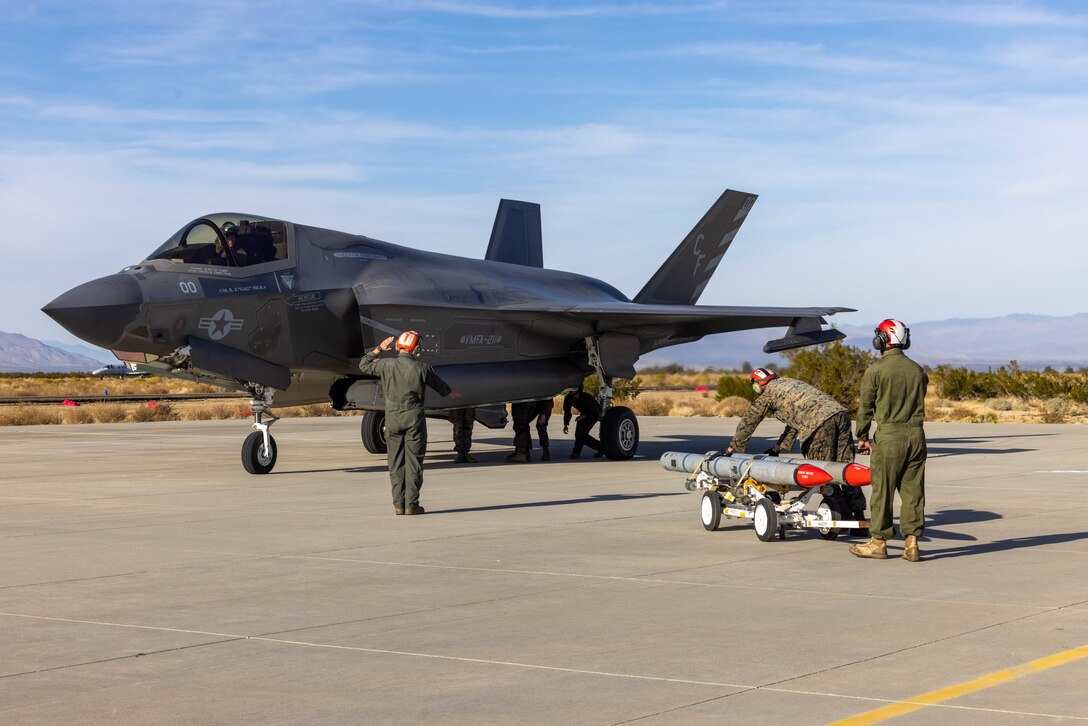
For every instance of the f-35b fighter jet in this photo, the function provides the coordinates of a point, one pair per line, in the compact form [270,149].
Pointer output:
[285,312]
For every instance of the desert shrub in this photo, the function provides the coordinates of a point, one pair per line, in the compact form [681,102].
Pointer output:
[29,415]
[1078,388]
[623,389]
[78,415]
[695,408]
[206,412]
[732,406]
[651,406]
[735,387]
[160,412]
[1055,411]
[961,413]
[835,368]
[313,410]
[958,384]
[108,412]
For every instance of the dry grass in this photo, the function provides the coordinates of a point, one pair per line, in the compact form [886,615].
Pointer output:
[68,386]
[89,413]
[687,402]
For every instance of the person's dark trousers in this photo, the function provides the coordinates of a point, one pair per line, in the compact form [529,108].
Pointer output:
[522,414]
[581,435]
[832,441]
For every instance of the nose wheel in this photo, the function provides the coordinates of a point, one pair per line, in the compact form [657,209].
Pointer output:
[259,448]
[257,456]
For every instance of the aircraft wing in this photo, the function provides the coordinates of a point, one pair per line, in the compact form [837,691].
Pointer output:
[664,325]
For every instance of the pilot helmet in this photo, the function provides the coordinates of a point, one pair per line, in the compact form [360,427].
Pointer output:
[891,333]
[761,377]
[408,340]
[229,229]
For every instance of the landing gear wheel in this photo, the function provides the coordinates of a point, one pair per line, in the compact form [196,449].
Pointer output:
[373,432]
[255,458]
[765,520]
[619,433]
[828,509]
[710,510]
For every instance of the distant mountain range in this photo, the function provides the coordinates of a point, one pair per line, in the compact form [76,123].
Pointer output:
[20,354]
[1035,341]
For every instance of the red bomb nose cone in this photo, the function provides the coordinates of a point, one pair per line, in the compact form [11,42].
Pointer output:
[856,475]
[808,475]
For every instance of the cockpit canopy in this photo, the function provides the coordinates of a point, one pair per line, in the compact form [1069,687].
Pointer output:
[228,240]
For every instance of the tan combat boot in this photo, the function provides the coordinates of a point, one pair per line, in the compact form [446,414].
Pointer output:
[520,456]
[874,549]
[910,551]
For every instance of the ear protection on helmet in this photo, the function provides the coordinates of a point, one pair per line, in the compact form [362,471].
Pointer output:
[761,377]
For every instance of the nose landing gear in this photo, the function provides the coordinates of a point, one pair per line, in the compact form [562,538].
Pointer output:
[259,448]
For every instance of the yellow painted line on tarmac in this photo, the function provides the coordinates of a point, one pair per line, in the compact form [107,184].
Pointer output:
[962,689]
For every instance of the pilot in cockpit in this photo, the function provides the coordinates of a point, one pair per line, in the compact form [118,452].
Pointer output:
[232,254]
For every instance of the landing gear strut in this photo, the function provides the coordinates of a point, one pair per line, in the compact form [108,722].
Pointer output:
[619,425]
[259,448]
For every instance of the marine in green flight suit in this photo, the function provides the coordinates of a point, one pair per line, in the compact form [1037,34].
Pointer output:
[893,392]
[404,382]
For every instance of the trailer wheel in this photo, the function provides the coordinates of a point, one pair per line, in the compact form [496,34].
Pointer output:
[765,519]
[773,496]
[710,510]
[828,510]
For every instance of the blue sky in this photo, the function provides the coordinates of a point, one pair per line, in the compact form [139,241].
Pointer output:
[922,160]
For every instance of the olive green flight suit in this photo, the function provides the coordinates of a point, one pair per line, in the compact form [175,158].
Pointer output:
[404,382]
[893,390]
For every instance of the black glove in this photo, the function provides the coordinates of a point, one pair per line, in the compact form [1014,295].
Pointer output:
[771,452]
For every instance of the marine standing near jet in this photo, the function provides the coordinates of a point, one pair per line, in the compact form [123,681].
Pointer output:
[404,382]
[463,420]
[589,412]
[893,391]
[543,415]
[821,422]
[521,413]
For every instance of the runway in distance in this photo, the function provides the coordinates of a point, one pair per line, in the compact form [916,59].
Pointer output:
[285,312]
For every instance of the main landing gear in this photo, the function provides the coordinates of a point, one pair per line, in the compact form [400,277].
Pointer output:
[619,425]
[373,432]
[259,448]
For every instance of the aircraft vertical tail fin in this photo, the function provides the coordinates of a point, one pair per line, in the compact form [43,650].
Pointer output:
[516,237]
[680,281]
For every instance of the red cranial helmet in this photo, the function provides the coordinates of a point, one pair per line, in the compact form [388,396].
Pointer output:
[891,333]
[408,340]
[761,377]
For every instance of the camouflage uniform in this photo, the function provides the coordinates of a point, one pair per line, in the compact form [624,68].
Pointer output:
[462,420]
[522,414]
[543,413]
[404,382]
[589,412]
[821,422]
[893,390]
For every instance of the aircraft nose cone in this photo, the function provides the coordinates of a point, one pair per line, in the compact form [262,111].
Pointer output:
[98,311]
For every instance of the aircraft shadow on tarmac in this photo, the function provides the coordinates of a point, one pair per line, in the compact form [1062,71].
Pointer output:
[962,446]
[559,502]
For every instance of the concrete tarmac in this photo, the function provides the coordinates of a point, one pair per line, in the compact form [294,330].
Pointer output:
[146,578]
